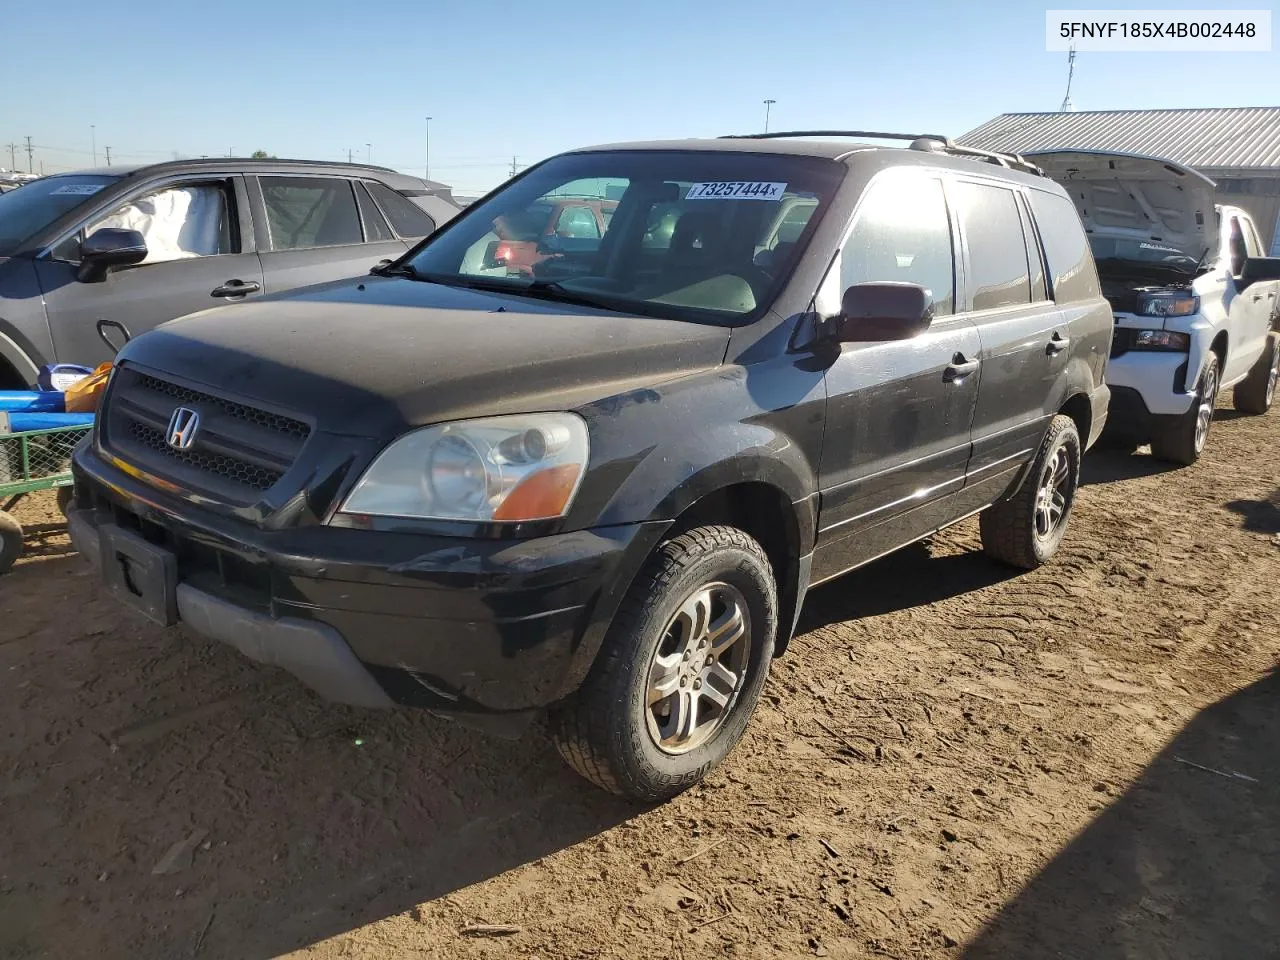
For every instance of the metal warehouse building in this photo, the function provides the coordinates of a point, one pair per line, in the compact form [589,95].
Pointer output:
[1237,148]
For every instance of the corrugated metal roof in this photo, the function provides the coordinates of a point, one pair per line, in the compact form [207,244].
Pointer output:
[1236,137]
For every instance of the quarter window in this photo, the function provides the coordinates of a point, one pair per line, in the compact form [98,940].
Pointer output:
[310,212]
[407,219]
[901,233]
[998,270]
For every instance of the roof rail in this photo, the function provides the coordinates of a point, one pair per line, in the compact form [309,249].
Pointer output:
[927,142]
[282,160]
[833,133]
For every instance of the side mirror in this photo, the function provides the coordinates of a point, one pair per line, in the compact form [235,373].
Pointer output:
[871,312]
[106,249]
[491,259]
[1260,268]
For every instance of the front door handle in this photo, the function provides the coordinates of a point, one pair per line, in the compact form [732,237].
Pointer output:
[236,288]
[958,369]
[1057,345]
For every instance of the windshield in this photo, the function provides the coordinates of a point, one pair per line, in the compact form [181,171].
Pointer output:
[25,212]
[698,235]
[1145,252]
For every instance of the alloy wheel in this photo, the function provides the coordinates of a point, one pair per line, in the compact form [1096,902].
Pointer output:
[1054,494]
[1204,413]
[698,668]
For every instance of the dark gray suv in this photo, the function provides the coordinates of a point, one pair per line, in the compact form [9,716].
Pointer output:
[142,245]
[606,487]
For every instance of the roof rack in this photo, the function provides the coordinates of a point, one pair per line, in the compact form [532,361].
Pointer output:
[927,142]
[211,161]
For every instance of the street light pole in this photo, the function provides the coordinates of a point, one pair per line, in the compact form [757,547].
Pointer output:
[368,153]
[93,136]
[426,169]
[767,105]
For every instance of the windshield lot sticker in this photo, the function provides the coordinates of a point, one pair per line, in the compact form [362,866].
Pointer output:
[736,190]
[77,190]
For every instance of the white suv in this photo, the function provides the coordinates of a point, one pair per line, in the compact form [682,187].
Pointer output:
[1193,296]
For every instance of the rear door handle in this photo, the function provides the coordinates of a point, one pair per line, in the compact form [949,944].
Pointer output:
[236,288]
[1057,345]
[958,369]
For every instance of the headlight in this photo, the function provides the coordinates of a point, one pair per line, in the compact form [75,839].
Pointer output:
[1169,340]
[1168,303]
[501,469]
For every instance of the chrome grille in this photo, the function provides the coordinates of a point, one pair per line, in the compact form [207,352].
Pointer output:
[239,453]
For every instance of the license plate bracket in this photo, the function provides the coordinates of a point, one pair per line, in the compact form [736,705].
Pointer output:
[140,574]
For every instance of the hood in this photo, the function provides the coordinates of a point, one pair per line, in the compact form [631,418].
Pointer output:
[377,356]
[1147,200]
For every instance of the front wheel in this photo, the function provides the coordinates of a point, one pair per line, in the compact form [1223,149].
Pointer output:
[680,671]
[1026,530]
[10,541]
[1182,439]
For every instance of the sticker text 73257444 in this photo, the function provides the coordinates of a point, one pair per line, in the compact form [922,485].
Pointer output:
[736,190]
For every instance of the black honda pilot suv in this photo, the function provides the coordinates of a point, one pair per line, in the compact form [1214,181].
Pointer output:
[604,490]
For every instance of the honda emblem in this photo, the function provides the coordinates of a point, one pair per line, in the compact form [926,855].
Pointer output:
[184,424]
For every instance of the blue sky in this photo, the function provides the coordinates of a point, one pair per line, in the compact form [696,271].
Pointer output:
[528,78]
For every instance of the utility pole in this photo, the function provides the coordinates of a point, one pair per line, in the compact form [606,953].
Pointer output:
[426,170]
[767,105]
[368,153]
[93,138]
[13,153]
[31,163]
[1071,72]
[348,154]
[513,166]
[108,149]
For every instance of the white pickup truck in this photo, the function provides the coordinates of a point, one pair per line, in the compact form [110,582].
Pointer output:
[1193,295]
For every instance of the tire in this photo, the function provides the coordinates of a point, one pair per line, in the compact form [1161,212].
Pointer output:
[1181,439]
[610,732]
[10,541]
[1026,530]
[65,497]
[1255,393]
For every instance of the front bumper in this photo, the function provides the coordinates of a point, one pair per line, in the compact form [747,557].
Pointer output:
[465,627]
[1159,378]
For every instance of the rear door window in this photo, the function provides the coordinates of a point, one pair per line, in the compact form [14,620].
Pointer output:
[307,212]
[1066,247]
[407,219]
[999,274]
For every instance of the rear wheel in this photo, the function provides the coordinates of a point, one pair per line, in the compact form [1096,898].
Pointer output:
[680,671]
[65,496]
[10,541]
[1256,392]
[1026,530]
[1182,439]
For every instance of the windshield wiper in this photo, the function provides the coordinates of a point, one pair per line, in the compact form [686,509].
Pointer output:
[395,270]
[557,292]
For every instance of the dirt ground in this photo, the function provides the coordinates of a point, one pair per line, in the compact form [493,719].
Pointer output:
[1078,763]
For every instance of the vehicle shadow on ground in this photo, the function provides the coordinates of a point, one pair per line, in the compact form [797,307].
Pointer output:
[1186,863]
[46,540]
[1111,466]
[910,577]
[1259,516]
